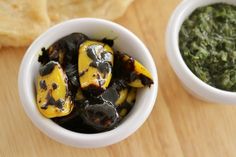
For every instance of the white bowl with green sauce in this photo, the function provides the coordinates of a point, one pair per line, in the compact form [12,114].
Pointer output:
[203,59]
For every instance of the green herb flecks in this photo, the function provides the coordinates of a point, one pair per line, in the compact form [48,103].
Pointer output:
[207,42]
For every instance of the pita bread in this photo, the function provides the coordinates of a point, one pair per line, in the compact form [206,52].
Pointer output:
[22,21]
[67,9]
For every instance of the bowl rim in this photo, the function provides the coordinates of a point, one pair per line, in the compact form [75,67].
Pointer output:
[195,85]
[70,137]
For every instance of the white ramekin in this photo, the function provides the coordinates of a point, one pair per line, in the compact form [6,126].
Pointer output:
[192,83]
[97,29]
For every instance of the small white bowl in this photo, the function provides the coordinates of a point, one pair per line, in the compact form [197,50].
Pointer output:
[125,41]
[192,83]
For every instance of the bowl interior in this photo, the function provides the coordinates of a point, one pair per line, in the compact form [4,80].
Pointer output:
[124,41]
[187,7]
[192,83]
[190,6]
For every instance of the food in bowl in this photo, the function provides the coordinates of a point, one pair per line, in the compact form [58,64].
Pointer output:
[85,86]
[207,44]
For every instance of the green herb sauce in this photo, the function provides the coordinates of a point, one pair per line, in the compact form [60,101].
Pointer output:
[207,41]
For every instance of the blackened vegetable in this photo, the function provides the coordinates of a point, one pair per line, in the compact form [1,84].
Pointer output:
[65,50]
[129,69]
[100,114]
[52,91]
[109,42]
[94,96]
[95,66]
